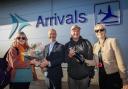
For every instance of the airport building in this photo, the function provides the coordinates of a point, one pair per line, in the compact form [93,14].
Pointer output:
[35,17]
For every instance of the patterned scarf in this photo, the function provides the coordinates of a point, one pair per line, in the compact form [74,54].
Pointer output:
[22,49]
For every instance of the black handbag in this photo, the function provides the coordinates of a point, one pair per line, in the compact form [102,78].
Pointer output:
[4,78]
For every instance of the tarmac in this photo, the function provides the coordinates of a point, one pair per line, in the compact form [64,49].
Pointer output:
[41,85]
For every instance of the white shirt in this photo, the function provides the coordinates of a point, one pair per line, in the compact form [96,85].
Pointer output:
[51,46]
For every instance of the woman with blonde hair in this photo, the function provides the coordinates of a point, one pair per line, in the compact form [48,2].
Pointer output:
[21,71]
[109,60]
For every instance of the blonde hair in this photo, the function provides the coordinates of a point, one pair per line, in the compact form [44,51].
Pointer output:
[15,43]
[99,26]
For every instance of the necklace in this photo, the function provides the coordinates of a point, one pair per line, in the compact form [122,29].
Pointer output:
[100,64]
[102,44]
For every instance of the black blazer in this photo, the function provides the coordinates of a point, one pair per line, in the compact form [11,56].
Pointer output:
[56,57]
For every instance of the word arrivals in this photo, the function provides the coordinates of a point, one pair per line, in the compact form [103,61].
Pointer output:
[60,20]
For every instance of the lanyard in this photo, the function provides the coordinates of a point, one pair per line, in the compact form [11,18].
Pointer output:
[100,55]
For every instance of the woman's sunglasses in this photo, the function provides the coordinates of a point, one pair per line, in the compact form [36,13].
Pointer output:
[100,30]
[23,38]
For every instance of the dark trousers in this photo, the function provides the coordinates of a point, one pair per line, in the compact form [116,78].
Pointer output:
[111,81]
[55,84]
[19,85]
[78,84]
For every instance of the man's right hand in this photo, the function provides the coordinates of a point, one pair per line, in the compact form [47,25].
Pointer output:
[35,62]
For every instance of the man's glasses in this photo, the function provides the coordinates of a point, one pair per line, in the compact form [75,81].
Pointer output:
[23,38]
[100,30]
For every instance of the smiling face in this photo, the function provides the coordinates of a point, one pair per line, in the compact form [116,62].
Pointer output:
[75,32]
[100,31]
[21,39]
[52,35]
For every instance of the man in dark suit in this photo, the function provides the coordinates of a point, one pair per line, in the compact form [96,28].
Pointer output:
[54,56]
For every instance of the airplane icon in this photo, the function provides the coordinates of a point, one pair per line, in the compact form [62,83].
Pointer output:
[107,15]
